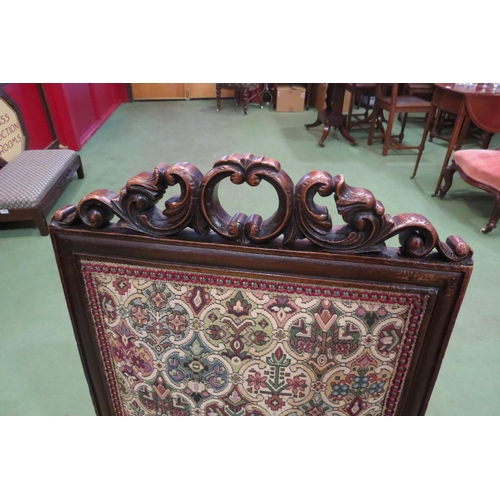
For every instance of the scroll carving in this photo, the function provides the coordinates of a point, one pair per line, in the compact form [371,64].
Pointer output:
[251,170]
[367,227]
[136,203]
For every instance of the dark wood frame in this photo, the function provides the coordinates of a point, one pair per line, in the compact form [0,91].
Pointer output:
[247,246]
[447,281]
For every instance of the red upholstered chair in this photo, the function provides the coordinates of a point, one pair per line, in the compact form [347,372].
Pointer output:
[187,310]
[480,168]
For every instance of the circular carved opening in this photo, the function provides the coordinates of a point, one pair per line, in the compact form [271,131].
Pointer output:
[260,200]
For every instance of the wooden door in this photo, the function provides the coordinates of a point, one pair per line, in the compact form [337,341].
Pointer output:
[146,91]
[205,91]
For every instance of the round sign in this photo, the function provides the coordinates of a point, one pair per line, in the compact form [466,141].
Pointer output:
[11,133]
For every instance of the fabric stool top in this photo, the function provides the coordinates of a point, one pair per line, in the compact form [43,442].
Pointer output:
[26,179]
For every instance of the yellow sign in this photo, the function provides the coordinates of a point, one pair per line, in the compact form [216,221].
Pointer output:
[11,133]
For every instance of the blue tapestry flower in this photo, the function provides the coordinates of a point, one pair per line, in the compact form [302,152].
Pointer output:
[376,387]
[360,382]
[340,390]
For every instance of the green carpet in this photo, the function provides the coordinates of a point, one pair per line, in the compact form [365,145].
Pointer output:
[40,370]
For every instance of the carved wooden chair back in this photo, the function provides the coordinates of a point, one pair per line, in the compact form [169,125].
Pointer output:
[191,311]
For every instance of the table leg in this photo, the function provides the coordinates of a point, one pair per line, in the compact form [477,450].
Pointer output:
[453,140]
[326,129]
[345,134]
[217,93]
[463,133]
[317,123]
[245,100]
[429,121]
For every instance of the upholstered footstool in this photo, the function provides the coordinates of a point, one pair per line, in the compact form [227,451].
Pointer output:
[480,168]
[32,182]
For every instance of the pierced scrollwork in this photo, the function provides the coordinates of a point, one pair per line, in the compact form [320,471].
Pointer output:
[367,226]
[358,207]
[252,170]
[136,203]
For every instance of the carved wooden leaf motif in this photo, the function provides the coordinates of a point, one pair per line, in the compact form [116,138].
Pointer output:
[136,203]
[368,227]
[298,216]
[357,206]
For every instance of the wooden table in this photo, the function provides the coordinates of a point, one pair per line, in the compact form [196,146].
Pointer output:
[332,115]
[479,104]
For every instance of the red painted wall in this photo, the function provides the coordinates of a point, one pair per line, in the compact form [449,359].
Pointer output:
[28,98]
[79,109]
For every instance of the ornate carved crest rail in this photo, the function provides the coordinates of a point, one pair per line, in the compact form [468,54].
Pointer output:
[367,227]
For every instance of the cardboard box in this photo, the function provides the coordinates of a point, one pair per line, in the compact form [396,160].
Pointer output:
[290,97]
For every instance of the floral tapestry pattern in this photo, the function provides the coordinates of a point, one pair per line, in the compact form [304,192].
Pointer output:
[181,343]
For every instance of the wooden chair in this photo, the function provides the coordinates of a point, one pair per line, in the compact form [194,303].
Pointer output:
[422,90]
[479,168]
[395,104]
[191,311]
[358,92]
[240,89]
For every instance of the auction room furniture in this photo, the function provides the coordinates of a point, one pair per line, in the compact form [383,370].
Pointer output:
[185,309]
[480,168]
[394,104]
[479,104]
[32,180]
[423,90]
[332,115]
[240,89]
[358,92]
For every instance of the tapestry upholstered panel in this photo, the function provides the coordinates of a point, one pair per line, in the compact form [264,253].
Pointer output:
[194,324]
[240,345]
